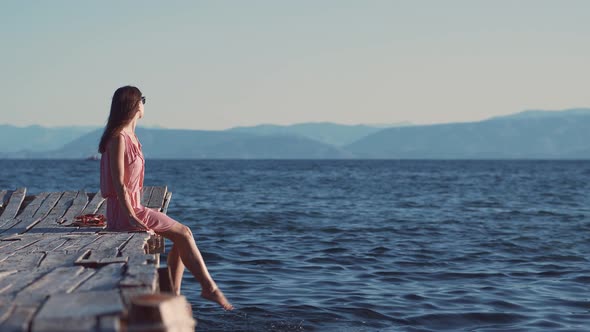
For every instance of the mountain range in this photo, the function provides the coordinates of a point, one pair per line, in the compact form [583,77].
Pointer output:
[325,132]
[529,134]
[534,134]
[37,138]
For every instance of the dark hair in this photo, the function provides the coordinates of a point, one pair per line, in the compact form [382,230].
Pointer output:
[123,109]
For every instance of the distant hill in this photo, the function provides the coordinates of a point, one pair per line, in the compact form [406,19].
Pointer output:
[530,114]
[37,138]
[525,135]
[325,132]
[200,144]
[532,134]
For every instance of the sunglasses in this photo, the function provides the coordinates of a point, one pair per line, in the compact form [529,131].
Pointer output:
[143,100]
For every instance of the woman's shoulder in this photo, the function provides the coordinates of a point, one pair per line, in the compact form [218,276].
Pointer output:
[116,142]
[118,138]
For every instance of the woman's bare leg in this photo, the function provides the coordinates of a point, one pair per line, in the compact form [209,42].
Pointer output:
[176,268]
[182,237]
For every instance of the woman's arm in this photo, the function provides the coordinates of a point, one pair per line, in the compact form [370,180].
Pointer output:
[117,165]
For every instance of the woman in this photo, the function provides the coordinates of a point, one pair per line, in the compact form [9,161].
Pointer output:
[121,181]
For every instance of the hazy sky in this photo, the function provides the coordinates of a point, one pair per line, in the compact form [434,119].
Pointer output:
[217,64]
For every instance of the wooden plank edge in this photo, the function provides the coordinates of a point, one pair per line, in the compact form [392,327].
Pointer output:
[167,202]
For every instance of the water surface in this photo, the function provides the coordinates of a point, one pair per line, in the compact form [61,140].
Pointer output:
[374,245]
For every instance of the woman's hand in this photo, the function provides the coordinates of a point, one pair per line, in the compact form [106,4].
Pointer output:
[136,222]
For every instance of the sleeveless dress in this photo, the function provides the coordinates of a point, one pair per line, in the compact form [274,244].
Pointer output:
[134,163]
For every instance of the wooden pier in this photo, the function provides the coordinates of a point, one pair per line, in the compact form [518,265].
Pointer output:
[58,277]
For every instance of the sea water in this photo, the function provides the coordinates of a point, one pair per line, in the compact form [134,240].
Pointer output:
[367,245]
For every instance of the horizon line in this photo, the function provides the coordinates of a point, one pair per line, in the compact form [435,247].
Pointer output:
[376,125]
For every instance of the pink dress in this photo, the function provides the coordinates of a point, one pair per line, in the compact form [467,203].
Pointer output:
[134,165]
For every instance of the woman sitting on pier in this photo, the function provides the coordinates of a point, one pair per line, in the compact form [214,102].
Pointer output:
[121,182]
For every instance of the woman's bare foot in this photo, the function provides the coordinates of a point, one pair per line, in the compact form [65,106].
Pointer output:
[216,295]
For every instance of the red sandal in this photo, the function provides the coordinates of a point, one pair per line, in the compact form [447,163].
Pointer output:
[90,220]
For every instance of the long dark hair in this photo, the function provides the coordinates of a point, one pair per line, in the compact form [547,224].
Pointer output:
[123,109]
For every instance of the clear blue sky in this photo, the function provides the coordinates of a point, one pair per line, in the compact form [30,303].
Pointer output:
[218,64]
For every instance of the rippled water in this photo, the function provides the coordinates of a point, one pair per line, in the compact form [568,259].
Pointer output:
[375,245]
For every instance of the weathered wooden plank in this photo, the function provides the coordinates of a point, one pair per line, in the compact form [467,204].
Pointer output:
[171,311]
[105,278]
[102,209]
[102,256]
[96,258]
[166,202]
[127,293]
[7,243]
[105,250]
[80,304]
[12,247]
[60,258]
[5,256]
[58,280]
[155,244]
[63,240]
[32,213]
[87,230]
[63,204]
[3,195]
[141,269]
[53,230]
[10,211]
[146,193]
[7,247]
[135,249]
[6,307]
[71,282]
[109,323]
[136,243]
[105,261]
[77,241]
[88,273]
[94,204]
[6,273]
[13,283]
[39,215]
[29,211]
[110,241]
[141,275]
[157,197]
[24,261]
[9,224]
[65,325]
[47,205]
[140,259]
[48,242]
[53,218]
[77,208]
[19,319]
[16,249]
[47,267]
